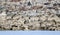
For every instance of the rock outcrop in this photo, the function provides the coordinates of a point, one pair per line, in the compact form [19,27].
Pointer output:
[30,15]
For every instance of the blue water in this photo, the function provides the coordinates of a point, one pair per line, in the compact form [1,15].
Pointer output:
[29,32]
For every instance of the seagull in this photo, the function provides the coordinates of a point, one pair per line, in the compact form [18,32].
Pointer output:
[3,13]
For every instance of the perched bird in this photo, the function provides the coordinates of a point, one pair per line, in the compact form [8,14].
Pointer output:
[46,3]
[55,4]
[29,3]
[15,0]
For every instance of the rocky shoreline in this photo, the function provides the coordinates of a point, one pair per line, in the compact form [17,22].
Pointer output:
[30,15]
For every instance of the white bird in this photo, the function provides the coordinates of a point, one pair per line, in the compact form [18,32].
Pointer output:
[3,13]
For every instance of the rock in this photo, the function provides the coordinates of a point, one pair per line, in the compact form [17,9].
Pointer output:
[43,18]
[30,15]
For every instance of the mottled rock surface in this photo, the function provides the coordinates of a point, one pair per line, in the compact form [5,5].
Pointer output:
[30,15]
